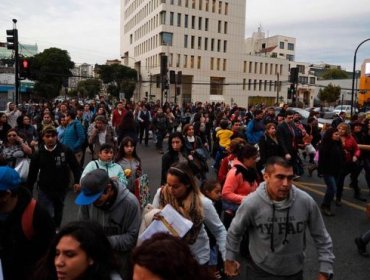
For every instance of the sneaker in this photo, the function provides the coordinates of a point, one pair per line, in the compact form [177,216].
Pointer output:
[361,247]
[326,211]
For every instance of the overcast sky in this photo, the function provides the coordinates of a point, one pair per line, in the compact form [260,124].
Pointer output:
[326,30]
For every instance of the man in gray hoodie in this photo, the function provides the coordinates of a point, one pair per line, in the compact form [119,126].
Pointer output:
[110,204]
[276,217]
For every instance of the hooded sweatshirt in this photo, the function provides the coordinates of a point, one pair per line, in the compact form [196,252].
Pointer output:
[121,222]
[277,232]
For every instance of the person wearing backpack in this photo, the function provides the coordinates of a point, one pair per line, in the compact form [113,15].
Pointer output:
[26,229]
[50,166]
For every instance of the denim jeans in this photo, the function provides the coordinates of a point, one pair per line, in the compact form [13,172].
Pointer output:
[331,189]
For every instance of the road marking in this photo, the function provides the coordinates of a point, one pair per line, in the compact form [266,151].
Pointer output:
[306,187]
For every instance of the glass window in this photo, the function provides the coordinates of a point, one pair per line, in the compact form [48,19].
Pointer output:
[200,23]
[193,22]
[186,21]
[213,6]
[219,7]
[179,19]
[192,61]
[226,8]
[218,63]
[244,81]
[219,26]
[282,45]
[193,4]
[163,17]
[185,61]
[171,18]
[206,25]
[291,46]
[212,61]
[206,43]
[207,5]
[225,27]
[212,44]
[178,60]
[249,84]
[218,45]
[244,67]
[192,42]
[224,65]
[166,38]
[199,62]
[312,80]
[199,43]
[185,41]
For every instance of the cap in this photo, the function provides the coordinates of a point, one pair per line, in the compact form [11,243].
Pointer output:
[93,185]
[9,178]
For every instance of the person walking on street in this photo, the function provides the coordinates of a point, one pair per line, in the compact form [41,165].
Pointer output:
[50,166]
[276,217]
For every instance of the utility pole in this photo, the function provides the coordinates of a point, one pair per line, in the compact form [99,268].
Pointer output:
[277,89]
[13,44]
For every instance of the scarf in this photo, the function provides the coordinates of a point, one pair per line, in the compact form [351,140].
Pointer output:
[188,208]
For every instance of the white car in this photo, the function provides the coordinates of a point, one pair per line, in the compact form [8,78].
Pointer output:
[344,108]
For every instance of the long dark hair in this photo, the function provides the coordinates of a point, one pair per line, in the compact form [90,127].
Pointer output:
[327,139]
[169,258]
[173,135]
[93,241]
[121,151]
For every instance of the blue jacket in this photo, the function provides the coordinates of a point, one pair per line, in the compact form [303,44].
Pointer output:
[74,136]
[255,131]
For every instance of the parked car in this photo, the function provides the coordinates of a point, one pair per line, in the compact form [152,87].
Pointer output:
[345,108]
[325,112]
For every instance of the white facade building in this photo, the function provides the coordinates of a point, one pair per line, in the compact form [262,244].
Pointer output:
[80,72]
[205,40]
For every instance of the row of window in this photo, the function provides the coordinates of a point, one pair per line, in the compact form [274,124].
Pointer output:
[208,5]
[203,42]
[145,11]
[290,46]
[262,68]
[147,45]
[261,85]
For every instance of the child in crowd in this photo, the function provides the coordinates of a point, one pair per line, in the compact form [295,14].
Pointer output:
[223,135]
[212,189]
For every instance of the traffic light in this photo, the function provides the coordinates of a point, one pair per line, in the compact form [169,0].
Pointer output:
[165,82]
[12,39]
[24,68]
[291,92]
[293,75]
[164,66]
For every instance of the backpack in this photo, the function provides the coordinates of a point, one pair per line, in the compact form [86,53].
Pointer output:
[27,220]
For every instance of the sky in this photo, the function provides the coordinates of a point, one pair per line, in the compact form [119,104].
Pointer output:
[327,31]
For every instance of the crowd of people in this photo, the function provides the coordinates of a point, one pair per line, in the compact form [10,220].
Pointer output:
[252,208]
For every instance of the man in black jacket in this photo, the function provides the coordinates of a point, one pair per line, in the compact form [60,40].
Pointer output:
[26,229]
[54,161]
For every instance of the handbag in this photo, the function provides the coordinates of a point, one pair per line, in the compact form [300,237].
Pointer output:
[22,167]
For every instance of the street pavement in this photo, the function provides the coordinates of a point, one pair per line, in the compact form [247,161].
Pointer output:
[349,222]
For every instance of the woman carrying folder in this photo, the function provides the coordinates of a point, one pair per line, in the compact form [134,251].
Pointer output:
[182,193]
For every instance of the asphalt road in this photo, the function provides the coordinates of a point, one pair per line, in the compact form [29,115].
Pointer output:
[349,222]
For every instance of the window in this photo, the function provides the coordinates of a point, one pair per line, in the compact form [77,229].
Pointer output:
[170,63]
[179,19]
[178,60]
[213,6]
[218,45]
[199,43]
[172,2]
[261,67]
[266,68]
[200,5]
[212,44]
[218,63]
[171,18]
[254,84]
[192,42]
[206,25]
[199,62]
[291,46]
[250,66]
[193,4]
[281,69]
[219,7]
[192,61]
[312,80]
[185,41]
[260,85]
[244,67]
[186,21]
[163,17]
[185,61]
[207,5]
[281,45]
[290,57]
[219,26]
[249,84]
[130,38]
[226,8]
[270,85]
[225,27]
[212,61]
[206,43]
[265,85]
[179,2]
[193,22]
[216,85]
[244,81]
[166,38]
[186,3]
[255,67]
[200,23]
[224,65]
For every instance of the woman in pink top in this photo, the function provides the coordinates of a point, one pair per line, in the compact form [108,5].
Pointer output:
[241,180]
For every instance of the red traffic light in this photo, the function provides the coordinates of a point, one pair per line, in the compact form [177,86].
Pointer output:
[25,64]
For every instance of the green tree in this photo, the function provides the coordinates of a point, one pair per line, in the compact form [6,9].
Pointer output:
[89,88]
[334,74]
[329,94]
[122,77]
[50,69]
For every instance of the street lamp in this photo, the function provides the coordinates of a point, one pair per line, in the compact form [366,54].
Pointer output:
[354,73]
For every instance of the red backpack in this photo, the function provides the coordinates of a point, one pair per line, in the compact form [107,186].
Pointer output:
[27,220]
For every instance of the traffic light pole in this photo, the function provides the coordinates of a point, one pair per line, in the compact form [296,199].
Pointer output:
[13,44]
[16,73]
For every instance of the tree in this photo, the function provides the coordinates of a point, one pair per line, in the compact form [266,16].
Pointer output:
[122,77]
[50,69]
[334,74]
[329,94]
[89,88]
